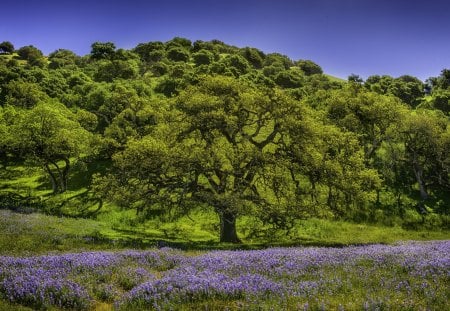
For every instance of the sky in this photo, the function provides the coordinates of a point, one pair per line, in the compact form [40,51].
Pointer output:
[363,37]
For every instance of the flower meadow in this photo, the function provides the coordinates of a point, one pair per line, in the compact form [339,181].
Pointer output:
[407,276]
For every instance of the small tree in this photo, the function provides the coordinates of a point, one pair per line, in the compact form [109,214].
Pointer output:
[102,50]
[203,57]
[309,67]
[49,134]
[62,58]
[6,47]
[32,55]
[178,54]
[254,56]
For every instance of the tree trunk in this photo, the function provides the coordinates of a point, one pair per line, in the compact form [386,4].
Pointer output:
[65,175]
[228,228]
[418,172]
[52,178]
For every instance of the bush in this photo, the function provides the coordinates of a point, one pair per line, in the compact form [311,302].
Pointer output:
[411,219]
[203,57]
[433,221]
[178,54]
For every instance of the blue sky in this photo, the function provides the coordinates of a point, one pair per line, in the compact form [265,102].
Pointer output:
[364,37]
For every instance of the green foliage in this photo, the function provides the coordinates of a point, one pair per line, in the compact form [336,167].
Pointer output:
[354,78]
[24,94]
[203,57]
[409,89]
[309,67]
[46,134]
[169,86]
[178,54]
[254,56]
[102,50]
[236,64]
[116,69]
[279,59]
[179,41]
[441,101]
[185,126]
[150,51]
[32,55]
[62,58]
[441,82]
[6,47]
[289,79]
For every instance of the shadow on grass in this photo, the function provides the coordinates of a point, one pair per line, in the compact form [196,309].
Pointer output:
[81,173]
[138,240]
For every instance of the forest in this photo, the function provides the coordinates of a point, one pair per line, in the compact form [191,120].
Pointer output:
[166,128]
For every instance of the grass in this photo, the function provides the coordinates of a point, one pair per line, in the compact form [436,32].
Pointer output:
[7,306]
[113,227]
[26,234]
[35,233]
[335,79]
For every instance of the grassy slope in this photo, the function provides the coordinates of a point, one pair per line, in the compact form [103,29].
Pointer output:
[113,227]
[27,234]
[335,79]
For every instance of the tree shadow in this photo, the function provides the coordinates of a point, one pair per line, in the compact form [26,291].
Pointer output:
[127,238]
[81,174]
[81,205]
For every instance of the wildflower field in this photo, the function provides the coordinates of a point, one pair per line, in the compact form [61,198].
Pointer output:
[404,276]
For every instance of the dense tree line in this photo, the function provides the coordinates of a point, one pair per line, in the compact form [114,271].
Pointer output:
[186,124]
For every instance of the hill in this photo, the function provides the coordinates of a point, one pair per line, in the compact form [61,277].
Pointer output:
[167,129]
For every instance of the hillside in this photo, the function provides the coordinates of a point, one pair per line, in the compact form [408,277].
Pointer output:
[167,129]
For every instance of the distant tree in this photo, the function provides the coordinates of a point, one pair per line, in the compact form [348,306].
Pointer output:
[202,45]
[355,78]
[150,51]
[321,156]
[108,70]
[441,100]
[409,89]
[159,69]
[62,58]
[156,56]
[289,79]
[32,55]
[6,47]
[237,64]
[254,56]
[103,50]
[24,94]
[178,54]
[371,116]
[309,67]
[169,86]
[277,58]
[203,57]
[440,82]
[272,70]
[178,41]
